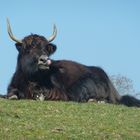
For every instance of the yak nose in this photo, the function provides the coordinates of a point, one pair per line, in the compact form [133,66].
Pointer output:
[43,59]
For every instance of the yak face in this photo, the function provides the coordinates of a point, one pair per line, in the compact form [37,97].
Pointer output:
[34,53]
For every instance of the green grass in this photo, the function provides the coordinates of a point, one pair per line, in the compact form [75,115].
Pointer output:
[35,120]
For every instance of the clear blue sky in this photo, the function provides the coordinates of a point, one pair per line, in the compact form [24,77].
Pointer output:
[103,33]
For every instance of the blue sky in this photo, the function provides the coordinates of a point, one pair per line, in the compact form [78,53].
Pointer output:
[103,33]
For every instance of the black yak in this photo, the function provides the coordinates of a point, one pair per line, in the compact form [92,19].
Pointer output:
[39,77]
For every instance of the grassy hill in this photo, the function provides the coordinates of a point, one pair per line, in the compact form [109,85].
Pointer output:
[35,120]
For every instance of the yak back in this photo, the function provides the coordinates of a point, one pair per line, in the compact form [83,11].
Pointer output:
[68,72]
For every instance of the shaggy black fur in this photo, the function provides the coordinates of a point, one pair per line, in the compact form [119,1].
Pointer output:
[63,80]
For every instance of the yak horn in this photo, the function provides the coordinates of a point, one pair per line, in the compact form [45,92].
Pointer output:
[11,34]
[52,37]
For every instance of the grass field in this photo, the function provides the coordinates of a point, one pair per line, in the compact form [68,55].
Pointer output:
[35,120]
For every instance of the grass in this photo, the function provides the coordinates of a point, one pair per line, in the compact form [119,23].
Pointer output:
[35,120]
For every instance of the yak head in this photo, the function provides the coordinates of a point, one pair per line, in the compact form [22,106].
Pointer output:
[34,51]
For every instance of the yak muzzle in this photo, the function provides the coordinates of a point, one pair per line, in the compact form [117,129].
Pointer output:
[44,62]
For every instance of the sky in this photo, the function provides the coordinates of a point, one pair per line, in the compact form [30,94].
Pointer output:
[104,33]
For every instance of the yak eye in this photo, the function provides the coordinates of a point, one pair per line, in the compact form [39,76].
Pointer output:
[46,50]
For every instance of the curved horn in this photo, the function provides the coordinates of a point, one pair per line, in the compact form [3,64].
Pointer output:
[52,37]
[11,34]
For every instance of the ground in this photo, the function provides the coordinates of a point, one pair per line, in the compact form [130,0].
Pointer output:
[36,120]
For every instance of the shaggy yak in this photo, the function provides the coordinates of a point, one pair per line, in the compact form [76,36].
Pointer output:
[39,77]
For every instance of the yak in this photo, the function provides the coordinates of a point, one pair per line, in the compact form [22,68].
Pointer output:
[39,77]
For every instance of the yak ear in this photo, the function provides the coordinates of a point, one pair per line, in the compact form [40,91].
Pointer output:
[51,48]
[19,46]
